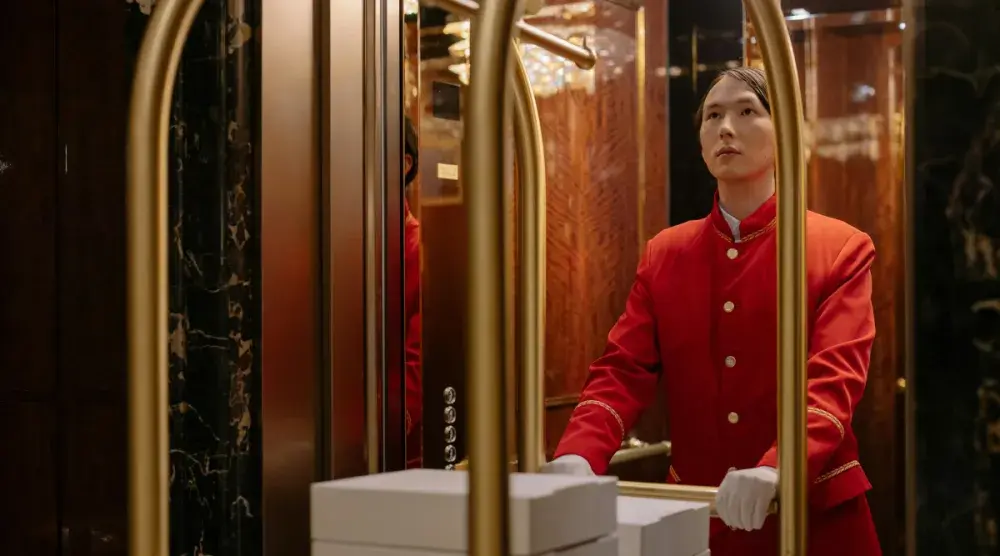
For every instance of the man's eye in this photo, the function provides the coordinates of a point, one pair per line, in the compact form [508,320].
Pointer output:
[749,112]
[713,115]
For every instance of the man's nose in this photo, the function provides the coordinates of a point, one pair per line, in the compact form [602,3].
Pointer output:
[725,128]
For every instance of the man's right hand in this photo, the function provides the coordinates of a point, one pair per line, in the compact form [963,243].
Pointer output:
[570,464]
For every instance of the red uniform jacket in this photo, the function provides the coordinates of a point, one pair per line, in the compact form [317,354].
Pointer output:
[700,321]
[414,388]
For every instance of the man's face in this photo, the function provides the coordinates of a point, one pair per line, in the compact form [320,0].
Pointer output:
[737,136]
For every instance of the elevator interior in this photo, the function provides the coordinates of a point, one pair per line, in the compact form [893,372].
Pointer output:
[307,201]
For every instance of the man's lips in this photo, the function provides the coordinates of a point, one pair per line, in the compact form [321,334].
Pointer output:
[727,150]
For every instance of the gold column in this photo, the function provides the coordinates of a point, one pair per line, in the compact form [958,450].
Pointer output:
[786,100]
[531,330]
[482,156]
[146,199]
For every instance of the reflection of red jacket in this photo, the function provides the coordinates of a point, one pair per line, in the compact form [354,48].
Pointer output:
[411,293]
[700,321]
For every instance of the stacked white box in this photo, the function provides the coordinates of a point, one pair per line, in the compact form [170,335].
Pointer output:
[652,527]
[423,512]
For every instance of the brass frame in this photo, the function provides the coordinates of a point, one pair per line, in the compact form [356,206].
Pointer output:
[293,432]
[146,199]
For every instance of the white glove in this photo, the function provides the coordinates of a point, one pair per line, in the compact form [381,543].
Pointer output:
[744,497]
[570,464]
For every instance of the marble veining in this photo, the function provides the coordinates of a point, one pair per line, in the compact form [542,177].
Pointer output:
[957,231]
[215,459]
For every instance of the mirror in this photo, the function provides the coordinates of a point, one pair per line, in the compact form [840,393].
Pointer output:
[606,196]
[622,164]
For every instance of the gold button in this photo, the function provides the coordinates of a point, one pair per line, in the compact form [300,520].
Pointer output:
[728,306]
[732,253]
[734,418]
[730,361]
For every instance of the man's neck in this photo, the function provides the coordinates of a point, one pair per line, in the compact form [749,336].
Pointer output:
[743,198]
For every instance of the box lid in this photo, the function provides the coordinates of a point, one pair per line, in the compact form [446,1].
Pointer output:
[428,508]
[648,527]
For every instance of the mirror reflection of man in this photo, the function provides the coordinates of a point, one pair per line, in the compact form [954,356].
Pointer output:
[411,299]
[700,322]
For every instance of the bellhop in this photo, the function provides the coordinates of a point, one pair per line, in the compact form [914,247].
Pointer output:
[700,322]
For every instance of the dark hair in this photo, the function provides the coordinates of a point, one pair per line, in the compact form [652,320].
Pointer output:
[752,77]
[410,148]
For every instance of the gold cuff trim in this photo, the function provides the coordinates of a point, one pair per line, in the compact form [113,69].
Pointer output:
[609,409]
[831,474]
[831,417]
[674,475]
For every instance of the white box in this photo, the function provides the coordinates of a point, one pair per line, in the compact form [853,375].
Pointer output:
[653,527]
[427,509]
[604,546]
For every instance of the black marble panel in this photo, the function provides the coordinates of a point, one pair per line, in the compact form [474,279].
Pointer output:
[957,231]
[215,450]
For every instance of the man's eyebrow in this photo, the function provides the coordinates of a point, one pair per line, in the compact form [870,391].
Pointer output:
[742,100]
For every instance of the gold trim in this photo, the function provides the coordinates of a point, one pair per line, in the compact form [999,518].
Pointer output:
[609,409]
[531,182]
[830,417]
[673,473]
[786,101]
[834,472]
[482,156]
[146,199]
[749,237]
[582,56]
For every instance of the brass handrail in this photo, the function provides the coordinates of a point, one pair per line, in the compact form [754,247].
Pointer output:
[582,56]
[641,450]
[482,156]
[530,156]
[146,201]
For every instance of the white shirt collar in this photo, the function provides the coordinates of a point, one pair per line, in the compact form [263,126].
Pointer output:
[734,224]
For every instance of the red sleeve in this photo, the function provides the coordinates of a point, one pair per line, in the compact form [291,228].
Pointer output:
[414,378]
[621,383]
[839,352]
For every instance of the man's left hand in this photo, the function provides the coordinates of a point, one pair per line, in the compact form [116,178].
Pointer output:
[744,497]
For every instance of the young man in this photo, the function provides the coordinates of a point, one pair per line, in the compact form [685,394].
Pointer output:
[700,321]
[411,298]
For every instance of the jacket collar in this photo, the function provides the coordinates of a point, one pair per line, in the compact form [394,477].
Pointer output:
[762,220]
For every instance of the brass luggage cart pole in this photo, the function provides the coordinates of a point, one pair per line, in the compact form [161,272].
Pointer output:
[482,156]
[786,106]
[146,201]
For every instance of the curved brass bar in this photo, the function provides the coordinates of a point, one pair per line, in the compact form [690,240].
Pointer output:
[146,199]
[531,328]
[582,56]
[482,156]
[786,103]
